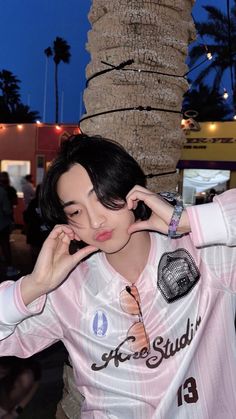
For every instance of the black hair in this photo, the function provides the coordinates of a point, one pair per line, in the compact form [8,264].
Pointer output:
[112,171]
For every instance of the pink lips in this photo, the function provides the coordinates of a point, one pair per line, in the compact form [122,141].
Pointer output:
[103,236]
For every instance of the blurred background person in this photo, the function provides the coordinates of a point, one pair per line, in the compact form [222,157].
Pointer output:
[210,195]
[19,380]
[10,190]
[35,229]
[28,189]
[6,225]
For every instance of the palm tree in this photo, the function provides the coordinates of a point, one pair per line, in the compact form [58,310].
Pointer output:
[133,96]
[208,103]
[9,85]
[23,114]
[60,52]
[220,32]
[48,54]
[12,110]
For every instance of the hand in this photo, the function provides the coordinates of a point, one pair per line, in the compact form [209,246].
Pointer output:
[161,212]
[54,263]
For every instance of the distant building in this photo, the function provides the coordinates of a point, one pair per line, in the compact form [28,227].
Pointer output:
[29,148]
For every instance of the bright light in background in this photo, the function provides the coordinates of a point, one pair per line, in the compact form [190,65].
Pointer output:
[225,95]
[200,15]
[212,126]
[19,126]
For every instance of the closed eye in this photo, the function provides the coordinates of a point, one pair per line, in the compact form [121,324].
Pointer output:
[77,212]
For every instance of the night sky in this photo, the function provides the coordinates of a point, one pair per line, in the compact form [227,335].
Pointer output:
[29,26]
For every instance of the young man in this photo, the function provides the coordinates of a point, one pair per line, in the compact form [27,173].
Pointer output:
[147,318]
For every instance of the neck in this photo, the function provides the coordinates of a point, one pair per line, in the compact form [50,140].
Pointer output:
[131,260]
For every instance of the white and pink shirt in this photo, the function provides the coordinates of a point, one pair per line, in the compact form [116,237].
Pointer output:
[188,301]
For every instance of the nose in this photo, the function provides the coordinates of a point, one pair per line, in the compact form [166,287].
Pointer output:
[96,217]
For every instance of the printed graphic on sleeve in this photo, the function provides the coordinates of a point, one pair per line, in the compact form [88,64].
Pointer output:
[177,274]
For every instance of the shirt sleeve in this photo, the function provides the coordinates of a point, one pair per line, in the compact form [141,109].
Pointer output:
[214,223]
[213,229]
[10,298]
[25,330]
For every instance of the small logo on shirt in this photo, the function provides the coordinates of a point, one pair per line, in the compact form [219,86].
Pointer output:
[100,324]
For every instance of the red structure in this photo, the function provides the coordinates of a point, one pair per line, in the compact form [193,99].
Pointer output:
[29,148]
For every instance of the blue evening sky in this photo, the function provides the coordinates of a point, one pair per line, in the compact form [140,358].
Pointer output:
[29,26]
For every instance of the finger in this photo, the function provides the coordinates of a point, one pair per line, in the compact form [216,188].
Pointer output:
[62,228]
[139,226]
[155,225]
[138,195]
[62,245]
[132,204]
[77,237]
[138,188]
[82,253]
[55,236]
[65,238]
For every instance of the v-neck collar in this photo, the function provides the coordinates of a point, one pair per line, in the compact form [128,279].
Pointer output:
[151,258]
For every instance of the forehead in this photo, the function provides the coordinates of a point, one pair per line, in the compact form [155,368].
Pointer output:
[74,183]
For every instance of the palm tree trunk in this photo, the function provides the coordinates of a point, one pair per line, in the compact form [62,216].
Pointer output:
[45,89]
[56,93]
[155,34]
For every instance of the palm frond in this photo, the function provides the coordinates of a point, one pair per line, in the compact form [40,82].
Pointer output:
[215,14]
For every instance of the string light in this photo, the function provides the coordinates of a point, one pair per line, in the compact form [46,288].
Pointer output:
[212,126]
[210,57]
[225,95]
[122,67]
[41,124]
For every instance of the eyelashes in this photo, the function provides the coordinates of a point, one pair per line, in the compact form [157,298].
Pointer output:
[77,212]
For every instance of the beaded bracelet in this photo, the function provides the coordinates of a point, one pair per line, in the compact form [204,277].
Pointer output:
[178,209]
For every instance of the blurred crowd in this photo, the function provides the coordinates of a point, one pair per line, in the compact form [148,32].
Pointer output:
[18,378]
[33,228]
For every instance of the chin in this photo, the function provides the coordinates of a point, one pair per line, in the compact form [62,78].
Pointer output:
[114,247]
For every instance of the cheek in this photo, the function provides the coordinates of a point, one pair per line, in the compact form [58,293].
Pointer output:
[81,233]
[131,217]
[126,218]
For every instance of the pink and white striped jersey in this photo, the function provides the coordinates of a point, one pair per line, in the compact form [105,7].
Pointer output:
[188,302]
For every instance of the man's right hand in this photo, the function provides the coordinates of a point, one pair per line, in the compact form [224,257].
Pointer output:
[53,265]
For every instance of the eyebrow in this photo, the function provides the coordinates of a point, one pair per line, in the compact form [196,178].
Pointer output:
[67,204]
